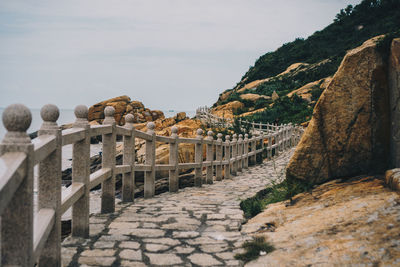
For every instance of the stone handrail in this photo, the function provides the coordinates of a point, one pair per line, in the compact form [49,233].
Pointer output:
[28,239]
[205,114]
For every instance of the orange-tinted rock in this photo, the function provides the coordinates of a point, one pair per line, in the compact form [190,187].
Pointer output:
[227,109]
[349,131]
[180,116]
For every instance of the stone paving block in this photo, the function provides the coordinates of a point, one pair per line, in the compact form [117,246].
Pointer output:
[164,241]
[203,259]
[126,263]
[156,247]
[183,249]
[124,225]
[190,234]
[129,244]
[104,244]
[97,261]
[98,253]
[130,254]
[165,259]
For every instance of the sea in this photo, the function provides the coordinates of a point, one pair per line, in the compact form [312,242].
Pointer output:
[67,116]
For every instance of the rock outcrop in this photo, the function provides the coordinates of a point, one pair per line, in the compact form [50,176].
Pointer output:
[349,131]
[305,91]
[227,110]
[394,85]
[352,223]
[123,106]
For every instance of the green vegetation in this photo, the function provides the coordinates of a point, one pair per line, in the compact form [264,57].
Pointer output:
[276,193]
[253,249]
[285,110]
[351,27]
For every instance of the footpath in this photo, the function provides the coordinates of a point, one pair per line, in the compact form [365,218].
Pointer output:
[193,227]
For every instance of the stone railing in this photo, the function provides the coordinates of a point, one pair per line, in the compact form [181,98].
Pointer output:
[29,237]
[204,114]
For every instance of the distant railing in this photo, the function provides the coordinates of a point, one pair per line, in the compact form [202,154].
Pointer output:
[28,239]
[204,113]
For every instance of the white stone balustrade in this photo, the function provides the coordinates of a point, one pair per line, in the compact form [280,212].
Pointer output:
[28,239]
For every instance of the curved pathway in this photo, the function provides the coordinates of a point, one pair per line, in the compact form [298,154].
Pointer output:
[194,227]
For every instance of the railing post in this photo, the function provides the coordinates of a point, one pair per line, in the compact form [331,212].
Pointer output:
[210,158]
[253,158]
[198,158]
[240,152]
[17,218]
[227,169]
[49,181]
[234,155]
[261,129]
[246,151]
[262,145]
[128,179]
[218,156]
[150,176]
[80,174]
[174,161]
[269,152]
[109,146]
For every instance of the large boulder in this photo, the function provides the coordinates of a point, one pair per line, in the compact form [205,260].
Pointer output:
[227,109]
[349,131]
[394,85]
[123,106]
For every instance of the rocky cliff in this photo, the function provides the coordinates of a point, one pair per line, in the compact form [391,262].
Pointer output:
[350,129]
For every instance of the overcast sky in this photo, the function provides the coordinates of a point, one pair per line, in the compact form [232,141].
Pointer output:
[169,54]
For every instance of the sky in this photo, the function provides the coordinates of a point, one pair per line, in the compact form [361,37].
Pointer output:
[168,54]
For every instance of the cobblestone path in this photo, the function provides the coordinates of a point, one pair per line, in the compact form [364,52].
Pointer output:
[194,227]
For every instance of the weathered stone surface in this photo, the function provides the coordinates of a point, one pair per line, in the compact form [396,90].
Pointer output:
[349,131]
[164,259]
[97,261]
[204,259]
[123,105]
[156,247]
[129,244]
[394,91]
[180,116]
[253,97]
[130,254]
[352,223]
[227,109]
[98,253]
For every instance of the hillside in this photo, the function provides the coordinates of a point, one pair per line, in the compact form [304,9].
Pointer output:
[300,70]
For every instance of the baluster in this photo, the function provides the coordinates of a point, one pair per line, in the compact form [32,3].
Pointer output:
[240,152]
[150,176]
[227,170]
[80,174]
[17,218]
[198,158]
[218,152]
[210,158]
[253,158]
[269,153]
[246,151]
[50,186]
[174,161]
[128,179]
[234,155]
[108,161]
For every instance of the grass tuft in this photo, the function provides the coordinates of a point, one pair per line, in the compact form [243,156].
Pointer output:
[253,249]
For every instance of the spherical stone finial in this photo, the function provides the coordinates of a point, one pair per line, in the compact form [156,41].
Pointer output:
[174,130]
[199,132]
[219,136]
[50,113]
[210,133]
[227,137]
[151,126]
[17,118]
[109,111]
[240,136]
[246,136]
[129,118]
[234,136]
[81,112]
